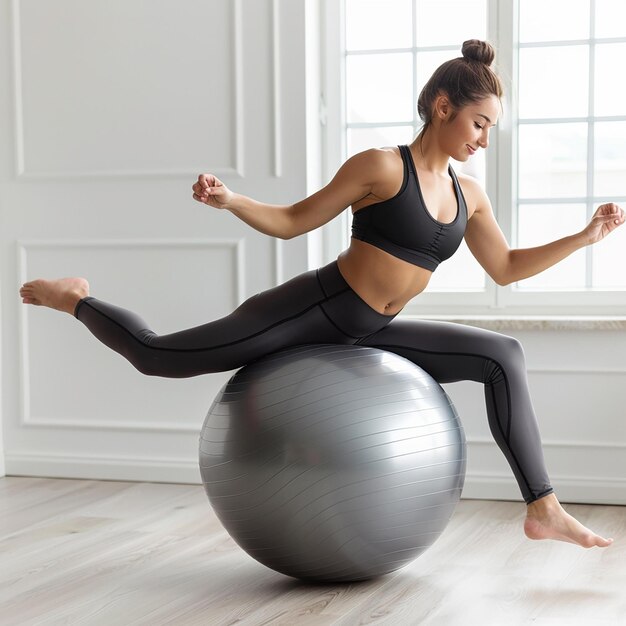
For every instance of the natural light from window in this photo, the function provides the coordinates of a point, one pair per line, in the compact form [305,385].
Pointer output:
[570,131]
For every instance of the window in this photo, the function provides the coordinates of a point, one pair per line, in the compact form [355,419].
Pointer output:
[572,120]
[557,153]
[381,97]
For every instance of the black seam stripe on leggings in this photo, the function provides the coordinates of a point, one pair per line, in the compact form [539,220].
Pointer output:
[85,302]
[321,305]
[213,347]
[321,284]
[329,318]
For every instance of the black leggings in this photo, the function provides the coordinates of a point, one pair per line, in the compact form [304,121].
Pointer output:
[320,307]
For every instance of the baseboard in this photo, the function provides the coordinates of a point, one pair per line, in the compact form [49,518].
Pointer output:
[580,490]
[104,468]
[477,486]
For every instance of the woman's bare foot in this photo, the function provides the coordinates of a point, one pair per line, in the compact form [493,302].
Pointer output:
[546,519]
[62,295]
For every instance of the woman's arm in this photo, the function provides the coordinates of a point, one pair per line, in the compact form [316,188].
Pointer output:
[487,243]
[354,180]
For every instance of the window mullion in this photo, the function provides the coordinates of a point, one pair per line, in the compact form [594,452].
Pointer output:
[591,139]
[502,161]
[416,119]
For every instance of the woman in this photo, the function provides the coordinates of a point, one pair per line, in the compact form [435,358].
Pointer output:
[411,212]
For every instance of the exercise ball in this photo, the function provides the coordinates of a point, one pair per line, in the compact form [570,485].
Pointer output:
[333,462]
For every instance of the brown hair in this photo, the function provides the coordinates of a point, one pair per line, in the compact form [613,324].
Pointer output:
[465,80]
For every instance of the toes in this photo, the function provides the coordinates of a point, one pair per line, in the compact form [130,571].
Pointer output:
[591,541]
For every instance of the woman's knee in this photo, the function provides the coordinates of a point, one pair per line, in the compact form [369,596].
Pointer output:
[505,354]
[512,348]
[146,366]
[145,359]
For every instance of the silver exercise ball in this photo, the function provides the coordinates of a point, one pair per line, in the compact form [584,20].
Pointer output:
[333,462]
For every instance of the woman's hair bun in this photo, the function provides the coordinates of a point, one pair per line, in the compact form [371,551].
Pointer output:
[479,51]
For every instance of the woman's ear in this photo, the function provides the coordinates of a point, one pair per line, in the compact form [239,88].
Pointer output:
[442,108]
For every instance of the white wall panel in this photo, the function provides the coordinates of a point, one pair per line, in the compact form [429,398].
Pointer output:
[129,87]
[106,392]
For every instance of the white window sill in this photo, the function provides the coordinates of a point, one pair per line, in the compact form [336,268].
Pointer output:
[534,322]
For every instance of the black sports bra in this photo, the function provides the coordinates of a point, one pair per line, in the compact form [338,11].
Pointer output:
[403,227]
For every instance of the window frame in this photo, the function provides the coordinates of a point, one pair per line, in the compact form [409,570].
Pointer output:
[501,178]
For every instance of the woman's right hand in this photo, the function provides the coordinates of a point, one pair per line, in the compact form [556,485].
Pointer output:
[212,191]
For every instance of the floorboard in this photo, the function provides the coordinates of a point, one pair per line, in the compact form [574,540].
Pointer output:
[116,553]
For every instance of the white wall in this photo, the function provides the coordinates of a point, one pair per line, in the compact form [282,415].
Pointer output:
[5,175]
[109,111]
[112,109]
[2,462]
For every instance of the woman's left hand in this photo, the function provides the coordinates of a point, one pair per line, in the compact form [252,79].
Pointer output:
[606,219]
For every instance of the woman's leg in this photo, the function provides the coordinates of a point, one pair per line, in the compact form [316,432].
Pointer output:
[453,352]
[291,314]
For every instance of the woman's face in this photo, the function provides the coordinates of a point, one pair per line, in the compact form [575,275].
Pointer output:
[462,135]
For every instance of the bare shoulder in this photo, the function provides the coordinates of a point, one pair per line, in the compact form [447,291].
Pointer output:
[382,168]
[475,196]
[377,161]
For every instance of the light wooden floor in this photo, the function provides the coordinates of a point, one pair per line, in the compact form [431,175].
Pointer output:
[114,553]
